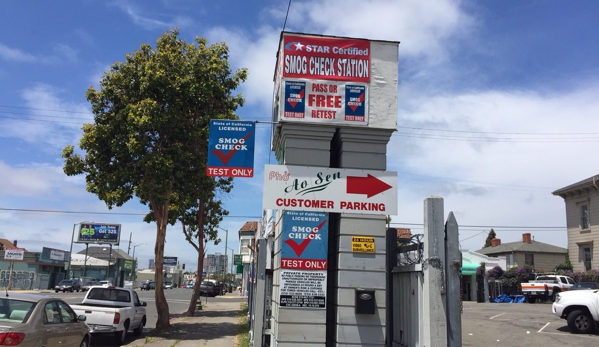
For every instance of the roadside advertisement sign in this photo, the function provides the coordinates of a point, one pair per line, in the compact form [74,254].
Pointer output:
[55,254]
[303,188]
[169,261]
[231,148]
[99,233]
[326,58]
[304,259]
[324,102]
[14,253]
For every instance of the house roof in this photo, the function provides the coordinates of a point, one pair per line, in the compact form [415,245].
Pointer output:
[584,185]
[249,228]
[6,243]
[519,246]
[104,253]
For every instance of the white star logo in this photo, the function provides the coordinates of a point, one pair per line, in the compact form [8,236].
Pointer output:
[299,46]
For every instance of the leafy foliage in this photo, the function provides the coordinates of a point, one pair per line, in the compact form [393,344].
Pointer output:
[495,273]
[490,237]
[150,132]
[516,275]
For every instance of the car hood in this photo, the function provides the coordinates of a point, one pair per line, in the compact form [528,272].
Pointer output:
[579,294]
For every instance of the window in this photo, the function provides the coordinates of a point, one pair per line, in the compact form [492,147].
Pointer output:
[586,258]
[529,259]
[510,260]
[584,217]
[67,314]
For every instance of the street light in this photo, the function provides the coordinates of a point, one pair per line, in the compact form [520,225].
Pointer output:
[135,260]
[69,270]
[226,241]
[232,255]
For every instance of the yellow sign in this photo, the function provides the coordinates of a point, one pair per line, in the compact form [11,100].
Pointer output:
[362,244]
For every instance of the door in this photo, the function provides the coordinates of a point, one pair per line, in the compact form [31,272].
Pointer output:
[140,311]
[73,328]
[55,332]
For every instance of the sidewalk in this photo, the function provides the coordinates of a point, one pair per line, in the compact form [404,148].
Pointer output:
[213,326]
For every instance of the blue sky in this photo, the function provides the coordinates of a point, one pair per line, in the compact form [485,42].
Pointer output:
[497,106]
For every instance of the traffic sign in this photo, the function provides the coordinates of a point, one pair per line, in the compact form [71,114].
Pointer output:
[304,188]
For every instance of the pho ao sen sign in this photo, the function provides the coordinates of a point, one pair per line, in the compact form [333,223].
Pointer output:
[14,253]
[319,189]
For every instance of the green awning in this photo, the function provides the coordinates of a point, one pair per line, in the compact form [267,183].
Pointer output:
[469,269]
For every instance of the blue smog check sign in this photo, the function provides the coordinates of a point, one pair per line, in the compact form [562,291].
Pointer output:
[231,148]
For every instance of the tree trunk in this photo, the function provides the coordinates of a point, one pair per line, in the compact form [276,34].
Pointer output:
[196,288]
[161,214]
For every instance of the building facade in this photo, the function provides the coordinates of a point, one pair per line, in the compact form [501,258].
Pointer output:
[582,221]
[541,256]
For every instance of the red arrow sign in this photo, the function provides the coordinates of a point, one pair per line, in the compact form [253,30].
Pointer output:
[368,185]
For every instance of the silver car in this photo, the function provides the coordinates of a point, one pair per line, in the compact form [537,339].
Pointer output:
[29,320]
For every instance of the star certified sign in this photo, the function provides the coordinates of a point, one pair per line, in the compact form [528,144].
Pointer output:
[303,188]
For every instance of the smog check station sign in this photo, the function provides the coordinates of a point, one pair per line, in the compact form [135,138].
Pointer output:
[304,259]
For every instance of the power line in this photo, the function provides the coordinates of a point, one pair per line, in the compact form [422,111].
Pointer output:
[100,213]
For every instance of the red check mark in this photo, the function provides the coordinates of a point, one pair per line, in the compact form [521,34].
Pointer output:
[224,158]
[299,249]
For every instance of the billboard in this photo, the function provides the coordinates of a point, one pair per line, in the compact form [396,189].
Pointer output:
[99,233]
[169,261]
[54,254]
[231,148]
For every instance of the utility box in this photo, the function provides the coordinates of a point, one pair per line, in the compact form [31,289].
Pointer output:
[365,302]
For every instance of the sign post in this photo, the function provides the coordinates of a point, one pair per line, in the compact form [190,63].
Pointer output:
[13,254]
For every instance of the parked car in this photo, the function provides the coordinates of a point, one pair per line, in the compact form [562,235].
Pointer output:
[546,287]
[37,320]
[87,285]
[585,285]
[167,285]
[115,311]
[189,286]
[106,284]
[68,286]
[579,308]
[148,285]
[207,288]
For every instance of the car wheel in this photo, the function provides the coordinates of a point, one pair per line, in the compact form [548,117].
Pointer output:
[531,299]
[78,290]
[72,290]
[84,342]
[56,291]
[554,294]
[119,336]
[580,322]
[137,331]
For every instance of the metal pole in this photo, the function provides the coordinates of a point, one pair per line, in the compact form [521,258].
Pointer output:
[85,260]
[71,251]
[226,262]
[109,258]
[128,249]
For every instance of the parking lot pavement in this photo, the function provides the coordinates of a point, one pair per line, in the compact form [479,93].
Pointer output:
[508,324]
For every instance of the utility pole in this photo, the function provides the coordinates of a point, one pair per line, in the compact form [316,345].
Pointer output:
[129,248]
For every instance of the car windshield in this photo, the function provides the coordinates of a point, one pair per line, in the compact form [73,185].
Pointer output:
[90,283]
[15,310]
[207,283]
[65,282]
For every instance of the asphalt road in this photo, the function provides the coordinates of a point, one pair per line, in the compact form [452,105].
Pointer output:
[518,325]
[178,302]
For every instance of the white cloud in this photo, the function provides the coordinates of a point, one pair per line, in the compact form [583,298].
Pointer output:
[50,121]
[143,20]
[13,54]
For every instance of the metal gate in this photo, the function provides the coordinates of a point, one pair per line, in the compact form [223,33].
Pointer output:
[423,283]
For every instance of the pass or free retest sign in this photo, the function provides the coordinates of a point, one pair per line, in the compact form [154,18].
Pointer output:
[231,148]
[303,188]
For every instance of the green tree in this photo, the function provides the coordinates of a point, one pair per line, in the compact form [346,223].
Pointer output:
[490,237]
[151,123]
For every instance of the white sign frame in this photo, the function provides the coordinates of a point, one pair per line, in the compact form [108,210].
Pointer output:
[303,188]
[14,253]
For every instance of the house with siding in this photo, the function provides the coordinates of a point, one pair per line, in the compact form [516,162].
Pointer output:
[541,256]
[582,221]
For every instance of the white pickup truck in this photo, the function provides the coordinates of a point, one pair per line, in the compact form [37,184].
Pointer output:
[580,308]
[113,310]
[546,287]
